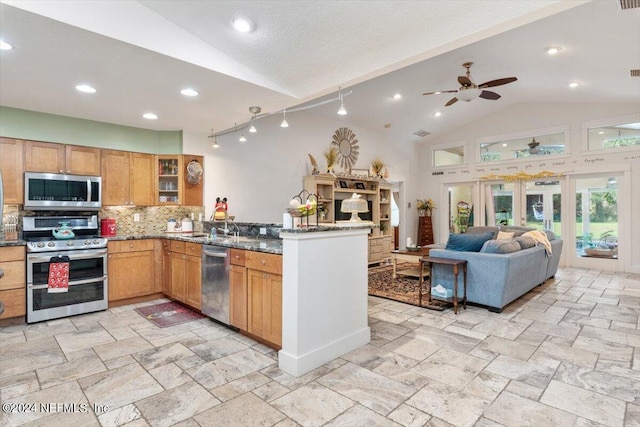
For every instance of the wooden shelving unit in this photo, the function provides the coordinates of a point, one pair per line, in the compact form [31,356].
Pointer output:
[333,189]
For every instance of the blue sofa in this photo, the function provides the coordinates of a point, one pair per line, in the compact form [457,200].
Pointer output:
[494,280]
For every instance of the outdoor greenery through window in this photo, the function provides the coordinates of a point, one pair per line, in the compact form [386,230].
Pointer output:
[614,136]
[597,217]
[525,147]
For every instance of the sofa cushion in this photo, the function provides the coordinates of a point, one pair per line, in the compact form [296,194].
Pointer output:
[483,229]
[503,235]
[517,230]
[500,246]
[525,242]
[467,242]
[550,235]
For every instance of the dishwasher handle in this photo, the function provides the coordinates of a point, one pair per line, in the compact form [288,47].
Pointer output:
[215,254]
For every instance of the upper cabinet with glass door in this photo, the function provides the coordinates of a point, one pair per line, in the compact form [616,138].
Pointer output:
[169,182]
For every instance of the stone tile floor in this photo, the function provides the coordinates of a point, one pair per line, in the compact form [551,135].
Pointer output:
[566,354]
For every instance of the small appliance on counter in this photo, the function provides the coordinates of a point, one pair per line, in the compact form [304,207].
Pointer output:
[187,225]
[108,227]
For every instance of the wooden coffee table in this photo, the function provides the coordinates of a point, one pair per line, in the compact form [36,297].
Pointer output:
[411,272]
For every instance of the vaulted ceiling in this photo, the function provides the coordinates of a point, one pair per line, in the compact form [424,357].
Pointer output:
[139,54]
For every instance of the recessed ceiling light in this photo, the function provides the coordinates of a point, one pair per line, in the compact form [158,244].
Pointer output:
[504,145]
[601,133]
[437,114]
[574,85]
[437,93]
[553,50]
[85,89]
[5,46]
[189,92]
[244,24]
[150,116]
[397,96]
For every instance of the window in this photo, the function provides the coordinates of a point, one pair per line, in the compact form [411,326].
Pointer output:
[449,155]
[614,136]
[526,146]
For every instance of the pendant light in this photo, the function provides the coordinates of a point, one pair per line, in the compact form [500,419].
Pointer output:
[341,111]
[242,138]
[284,123]
[215,142]
[252,129]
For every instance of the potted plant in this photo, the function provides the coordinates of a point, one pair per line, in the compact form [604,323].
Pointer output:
[377,168]
[331,156]
[425,207]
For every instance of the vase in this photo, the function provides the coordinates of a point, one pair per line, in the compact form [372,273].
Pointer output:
[422,212]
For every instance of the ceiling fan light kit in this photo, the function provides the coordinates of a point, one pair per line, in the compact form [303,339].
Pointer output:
[469,91]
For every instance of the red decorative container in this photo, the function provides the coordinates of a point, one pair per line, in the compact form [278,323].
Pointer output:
[108,227]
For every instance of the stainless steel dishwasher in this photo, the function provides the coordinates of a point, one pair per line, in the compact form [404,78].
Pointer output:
[215,282]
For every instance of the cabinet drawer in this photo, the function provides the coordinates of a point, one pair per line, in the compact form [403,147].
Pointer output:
[193,249]
[14,275]
[237,257]
[261,261]
[177,246]
[15,302]
[130,246]
[13,253]
[376,249]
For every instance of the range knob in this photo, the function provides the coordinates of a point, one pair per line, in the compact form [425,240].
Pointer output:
[40,244]
[96,242]
[51,244]
[70,243]
[87,242]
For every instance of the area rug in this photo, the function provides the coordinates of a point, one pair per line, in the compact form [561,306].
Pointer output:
[402,288]
[168,314]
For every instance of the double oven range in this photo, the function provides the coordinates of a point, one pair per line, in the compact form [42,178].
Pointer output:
[86,254]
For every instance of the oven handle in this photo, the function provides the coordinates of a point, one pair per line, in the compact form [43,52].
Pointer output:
[74,283]
[88,190]
[73,255]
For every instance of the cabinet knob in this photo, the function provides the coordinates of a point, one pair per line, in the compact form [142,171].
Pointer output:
[263,262]
[60,171]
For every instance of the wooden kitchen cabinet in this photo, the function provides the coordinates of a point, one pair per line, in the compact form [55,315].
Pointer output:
[193,193]
[173,186]
[183,272]
[13,286]
[264,300]
[131,269]
[238,295]
[61,158]
[127,178]
[12,168]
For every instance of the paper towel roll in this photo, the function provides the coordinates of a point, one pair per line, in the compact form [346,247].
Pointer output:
[287,221]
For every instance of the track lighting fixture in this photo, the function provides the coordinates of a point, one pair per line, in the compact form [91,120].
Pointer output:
[215,142]
[242,138]
[284,123]
[252,128]
[341,111]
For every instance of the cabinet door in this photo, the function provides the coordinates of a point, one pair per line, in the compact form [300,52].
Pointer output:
[257,285]
[193,278]
[82,160]
[166,269]
[13,285]
[142,179]
[131,274]
[265,305]
[238,297]
[192,192]
[274,317]
[12,168]
[115,178]
[44,157]
[178,271]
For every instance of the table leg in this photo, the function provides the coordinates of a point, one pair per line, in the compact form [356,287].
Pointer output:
[455,289]
[420,283]
[464,271]
[395,266]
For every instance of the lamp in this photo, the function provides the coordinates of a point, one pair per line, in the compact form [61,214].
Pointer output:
[341,111]
[284,123]
[252,128]
[215,142]
[354,205]
[242,138]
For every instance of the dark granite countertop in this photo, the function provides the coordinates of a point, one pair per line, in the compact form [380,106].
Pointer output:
[273,246]
[5,243]
[329,227]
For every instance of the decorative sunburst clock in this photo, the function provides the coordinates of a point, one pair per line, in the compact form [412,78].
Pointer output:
[345,141]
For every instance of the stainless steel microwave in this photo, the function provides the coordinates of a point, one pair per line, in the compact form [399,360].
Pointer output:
[52,191]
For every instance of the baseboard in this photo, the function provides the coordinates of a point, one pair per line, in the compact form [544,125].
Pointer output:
[300,365]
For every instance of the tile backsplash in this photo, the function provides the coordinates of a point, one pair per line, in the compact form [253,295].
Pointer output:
[153,220]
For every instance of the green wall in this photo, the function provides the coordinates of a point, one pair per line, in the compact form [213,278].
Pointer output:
[25,124]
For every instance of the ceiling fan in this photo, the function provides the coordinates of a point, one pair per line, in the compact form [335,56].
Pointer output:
[469,90]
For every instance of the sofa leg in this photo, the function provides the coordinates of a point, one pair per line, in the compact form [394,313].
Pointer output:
[494,309]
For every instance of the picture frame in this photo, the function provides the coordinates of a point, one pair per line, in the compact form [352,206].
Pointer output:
[360,185]
[343,184]
[364,173]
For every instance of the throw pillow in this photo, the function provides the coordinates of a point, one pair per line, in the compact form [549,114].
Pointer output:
[500,246]
[502,235]
[526,242]
[467,242]
[481,229]
[517,230]
[550,234]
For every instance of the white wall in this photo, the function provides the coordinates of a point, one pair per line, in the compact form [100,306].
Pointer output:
[524,117]
[259,177]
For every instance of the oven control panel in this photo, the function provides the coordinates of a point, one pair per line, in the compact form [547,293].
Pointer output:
[57,245]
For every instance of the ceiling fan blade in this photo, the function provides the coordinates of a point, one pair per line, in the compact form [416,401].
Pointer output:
[451,101]
[487,94]
[464,81]
[498,82]
[439,92]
